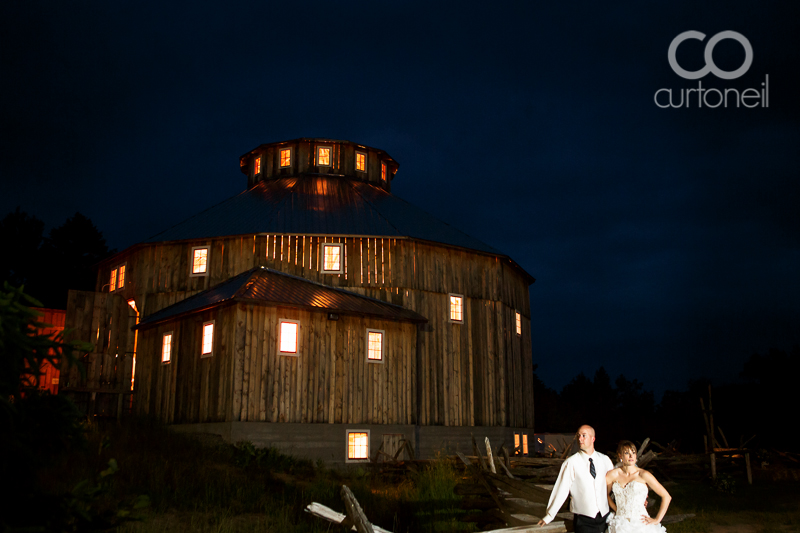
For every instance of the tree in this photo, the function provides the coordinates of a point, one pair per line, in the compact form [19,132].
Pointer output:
[49,267]
[69,256]
[37,426]
[548,414]
[770,392]
[20,241]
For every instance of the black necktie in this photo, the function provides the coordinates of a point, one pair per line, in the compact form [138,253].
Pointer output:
[592,471]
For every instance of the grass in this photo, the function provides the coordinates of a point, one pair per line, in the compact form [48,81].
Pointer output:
[222,488]
[765,507]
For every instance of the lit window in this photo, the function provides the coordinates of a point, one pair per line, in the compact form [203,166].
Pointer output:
[208,339]
[166,347]
[288,337]
[456,308]
[112,284]
[358,445]
[286,157]
[121,277]
[200,261]
[257,166]
[520,444]
[324,156]
[519,324]
[374,345]
[361,162]
[383,171]
[333,258]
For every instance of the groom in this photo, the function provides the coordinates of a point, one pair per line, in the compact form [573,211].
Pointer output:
[583,476]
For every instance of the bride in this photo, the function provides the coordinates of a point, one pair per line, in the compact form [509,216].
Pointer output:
[629,485]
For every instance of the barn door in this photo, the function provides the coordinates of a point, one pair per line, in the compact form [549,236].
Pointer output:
[391,443]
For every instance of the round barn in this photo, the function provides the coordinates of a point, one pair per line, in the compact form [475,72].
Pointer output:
[318,313]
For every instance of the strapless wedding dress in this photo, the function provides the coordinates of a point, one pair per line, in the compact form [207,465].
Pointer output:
[630,510]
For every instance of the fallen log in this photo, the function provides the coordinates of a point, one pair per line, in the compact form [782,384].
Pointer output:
[320,511]
[355,512]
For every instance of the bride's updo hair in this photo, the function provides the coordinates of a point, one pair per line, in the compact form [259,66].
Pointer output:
[625,445]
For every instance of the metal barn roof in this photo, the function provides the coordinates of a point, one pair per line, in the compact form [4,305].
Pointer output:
[319,205]
[265,286]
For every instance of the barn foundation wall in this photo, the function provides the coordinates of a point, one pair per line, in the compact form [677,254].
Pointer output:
[328,442]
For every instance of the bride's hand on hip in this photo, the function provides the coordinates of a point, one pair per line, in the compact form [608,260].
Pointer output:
[650,521]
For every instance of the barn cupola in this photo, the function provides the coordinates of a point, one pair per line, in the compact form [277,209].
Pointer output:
[318,157]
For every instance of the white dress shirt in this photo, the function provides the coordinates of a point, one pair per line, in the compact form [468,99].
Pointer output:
[588,494]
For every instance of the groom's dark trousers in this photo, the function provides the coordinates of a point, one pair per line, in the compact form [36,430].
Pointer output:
[586,524]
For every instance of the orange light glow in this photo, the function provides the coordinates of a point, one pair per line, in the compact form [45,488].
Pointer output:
[519,324]
[257,166]
[383,171]
[166,348]
[289,337]
[112,285]
[516,443]
[375,346]
[200,261]
[121,278]
[456,308]
[286,157]
[357,445]
[331,258]
[132,303]
[361,161]
[524,444]
[324,156]
[208,338]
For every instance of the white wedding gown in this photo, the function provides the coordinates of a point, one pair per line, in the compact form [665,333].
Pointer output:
[630,510]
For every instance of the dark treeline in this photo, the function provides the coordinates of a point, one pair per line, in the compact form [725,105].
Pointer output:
[762,404]
[48,266]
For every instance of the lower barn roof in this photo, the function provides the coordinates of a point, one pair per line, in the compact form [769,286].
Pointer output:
[264,286]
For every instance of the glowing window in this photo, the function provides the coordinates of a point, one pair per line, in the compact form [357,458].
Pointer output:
[374,345]
[383,171]
[358,445]
[286,157]
[208,339]
[166,347]
[324,156]
[456,308]
[112,284]
[361,162]
[121,277]
[520,444]
[519,324]
[288,336]
[333,258]
[200,261]
[257,166]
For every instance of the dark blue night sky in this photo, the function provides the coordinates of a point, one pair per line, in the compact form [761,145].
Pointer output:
[665,242]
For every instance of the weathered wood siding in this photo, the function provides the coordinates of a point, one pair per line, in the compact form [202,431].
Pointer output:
[343,162]
[475,373]
[104,320]
[329,381]
[189,388]
[388,265]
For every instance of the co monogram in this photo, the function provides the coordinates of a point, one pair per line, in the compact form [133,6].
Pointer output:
[710,66]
